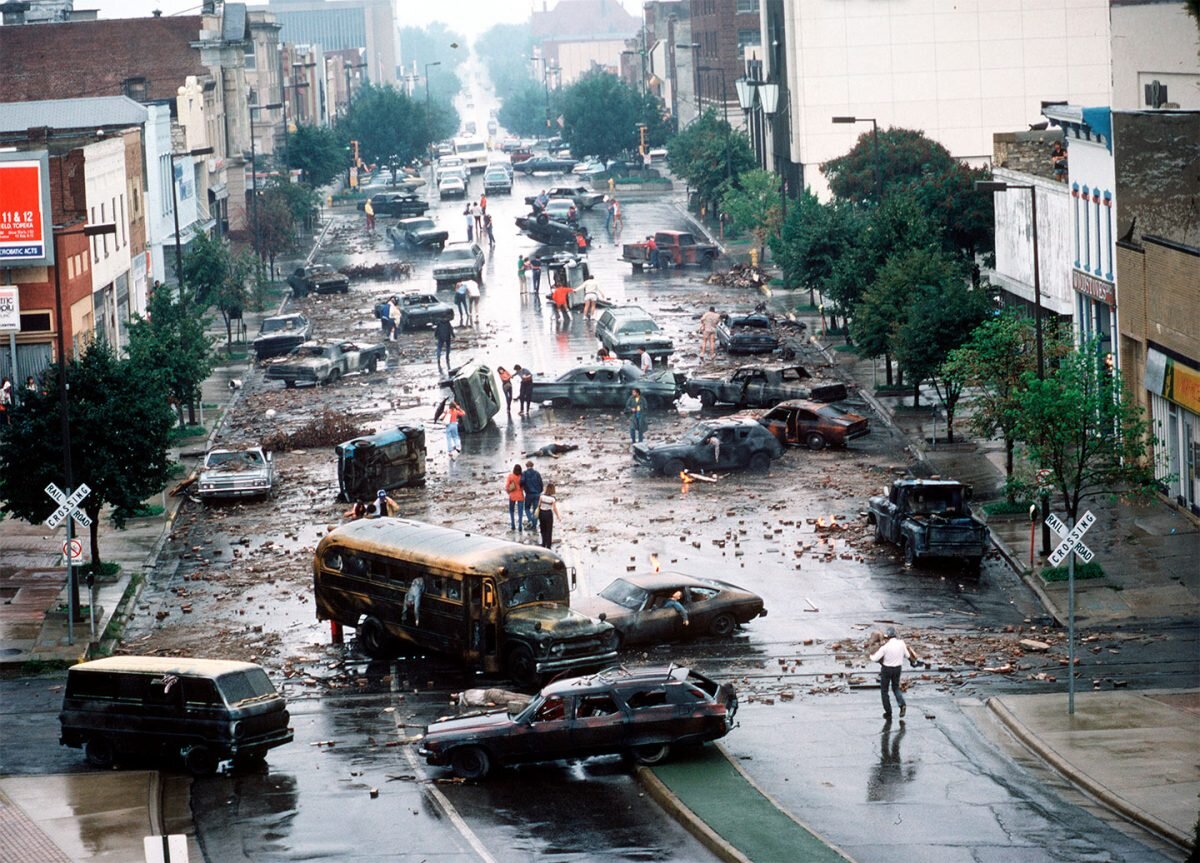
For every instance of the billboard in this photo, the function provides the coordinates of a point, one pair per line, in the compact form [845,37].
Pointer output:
[26,235]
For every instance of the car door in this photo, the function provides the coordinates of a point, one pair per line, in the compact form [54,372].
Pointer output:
[548,733]
[652,716]
[805,422]
[702,607]
[608,390]
[600,724]
[653,623]
[756,388]
[733,448]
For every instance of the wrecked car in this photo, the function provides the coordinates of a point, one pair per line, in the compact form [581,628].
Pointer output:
[390,459]
[474,388]
[423,310]
[806,423]
[318,279]
[457,262]
[551,232]
[929,518]
[642,713]
[763,387]
[236,473]
[420,232]
[675,249]
[583,197]
[325,362]
[724,444]
[635,606]
[567,268]
[280,334]
[746,334]
[608,385]
[396,204]
[497,605]
[625,329]
[544,165]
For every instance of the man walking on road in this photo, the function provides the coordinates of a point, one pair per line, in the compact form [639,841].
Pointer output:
[891,658]
[708,332]
[531,484]
[443,331]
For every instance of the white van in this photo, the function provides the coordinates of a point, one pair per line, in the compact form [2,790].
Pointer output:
[473,151]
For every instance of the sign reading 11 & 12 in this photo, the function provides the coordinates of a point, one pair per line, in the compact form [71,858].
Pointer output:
[24,209]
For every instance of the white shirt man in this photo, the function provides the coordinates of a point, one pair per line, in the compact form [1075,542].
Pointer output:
[891,658]
[645,360]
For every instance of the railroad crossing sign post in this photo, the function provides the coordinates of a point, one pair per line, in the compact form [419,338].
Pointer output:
[1071,547]
[68,502]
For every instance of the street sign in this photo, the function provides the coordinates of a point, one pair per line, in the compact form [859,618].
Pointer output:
[1072,540]
[67,505]
[73,551]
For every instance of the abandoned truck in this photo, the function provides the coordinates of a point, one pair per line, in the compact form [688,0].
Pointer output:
[236,473]
[673,249]
[929,519]
[763,387]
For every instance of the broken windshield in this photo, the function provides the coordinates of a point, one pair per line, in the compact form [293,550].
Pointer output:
[625,594]
[547,587]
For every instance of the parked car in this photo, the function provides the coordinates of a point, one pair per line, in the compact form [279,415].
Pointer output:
[497,179]
[279,334]
[806,423]
[421,232]
[423,310]
[929,518]
[544,165]
[458,261]
[510,144]
[396,204]
[724,444]
[746,334]
[325,362]
[633,604]
[226,473]
[583,197]
[452,186]
[608,385]
[763,387]
[641,713]
[675,249]
[318,279]
[552,232]
[624,329]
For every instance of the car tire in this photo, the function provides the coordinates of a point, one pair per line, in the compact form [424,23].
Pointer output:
[722,626]
[879,538]
[708,399]
[650,754]
[289,384]
[373,365]
[910,556]
[520,665]
[560,403]
[815,441]
[199,760]
[471,762]
[100,751]
[374,641]
[759,462]
[974,566]
[673,467]
[335,375]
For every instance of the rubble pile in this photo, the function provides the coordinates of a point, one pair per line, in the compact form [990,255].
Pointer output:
[740,276]
[327,429]
[381,270]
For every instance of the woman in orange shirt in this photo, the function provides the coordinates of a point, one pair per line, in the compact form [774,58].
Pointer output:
[516,499]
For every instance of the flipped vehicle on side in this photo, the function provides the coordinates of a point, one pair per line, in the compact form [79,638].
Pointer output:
[642,713]
[583,197]
[675,249]
[625,329]
[929,519]
[279,334]
[230,473]
[724,444]
[458,261]
[396,204]
[420,232]
[318,362]
[634,605]
[800,422]
[552,232]
[608,385]
[392,458]
[763,387]
[473,386]
[747,334]
[423,310]
[318,279]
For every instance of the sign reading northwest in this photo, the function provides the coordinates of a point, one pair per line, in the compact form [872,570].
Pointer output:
[25,232]
[1097,289]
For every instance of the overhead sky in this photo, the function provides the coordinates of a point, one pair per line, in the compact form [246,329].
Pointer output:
[464,16]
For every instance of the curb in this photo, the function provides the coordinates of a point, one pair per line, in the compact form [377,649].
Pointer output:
[1032,580]
[688,819]
[699,227]
[1081,780]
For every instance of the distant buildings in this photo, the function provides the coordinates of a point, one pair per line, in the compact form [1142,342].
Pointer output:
[576,36]
[336,25]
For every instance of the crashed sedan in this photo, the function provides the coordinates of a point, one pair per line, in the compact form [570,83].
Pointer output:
[608,385]
[640,713]
[325,362]
[280,334]
[636,606]
[814,425]
[746,334]
[725,444]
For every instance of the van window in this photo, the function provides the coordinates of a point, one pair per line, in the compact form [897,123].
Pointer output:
[200,691]
[647,698]
[245,685]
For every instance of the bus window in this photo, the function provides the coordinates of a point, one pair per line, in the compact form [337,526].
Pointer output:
[533,588]
[434,588]
[352,565]
[379,570]
[453,590]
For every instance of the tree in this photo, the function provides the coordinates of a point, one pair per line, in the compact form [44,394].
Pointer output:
[505,49]
[387,123]
[318,153]
[652,113]
[812,239]
[120,423]
[708,154]
[302,201]
[223,277]
[753,205]
[524,110]
[1082,424]
[434,43]
[171,340]
[967,217]
[905,155]
[276,231]
[205,266]
[600,116]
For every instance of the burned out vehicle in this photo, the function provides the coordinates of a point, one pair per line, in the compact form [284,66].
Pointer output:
[458,262]
[763,387]
[230,473]
[551,232]
[567,268]
[473,386]
[747,334]
[675,249]
[318,279]
[642,714]
[806,423]
[636,606]
[623,330]
[420,232]
[929,519]
[599,385]
[326,362]
[393,458]
[423,310]
[725,444]
[499,606]
[396,204]
[583,197]
[280,334]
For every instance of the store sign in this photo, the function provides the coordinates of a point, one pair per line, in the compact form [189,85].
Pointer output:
[1171,379]
[10,309]
[24,209]
[1098,289]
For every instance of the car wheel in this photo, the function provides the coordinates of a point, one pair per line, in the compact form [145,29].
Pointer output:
[560,403]
[815,441]
[99,751]
[708,400]
[471,762]
[878,531]
[334,376]
[374,640]
[760,462]
[289,384]
[651,754]
[722,626]
[673,467]
[731,708]
[199,760]
[344,289]
[521,666]
[973,566]
[373,365]
[910,556]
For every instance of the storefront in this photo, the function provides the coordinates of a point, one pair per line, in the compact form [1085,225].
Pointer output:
[1174,386]
[1095,311]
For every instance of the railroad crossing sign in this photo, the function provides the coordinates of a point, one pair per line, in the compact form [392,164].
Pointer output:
[67,505]
[1072,538]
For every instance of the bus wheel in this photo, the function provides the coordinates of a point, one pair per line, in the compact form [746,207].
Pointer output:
[520,665]
[374,640]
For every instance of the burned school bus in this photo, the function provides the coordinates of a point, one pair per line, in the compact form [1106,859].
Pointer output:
[500,606]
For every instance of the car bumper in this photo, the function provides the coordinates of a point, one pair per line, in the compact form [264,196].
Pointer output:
[239,491]
[552,665]
[452,275]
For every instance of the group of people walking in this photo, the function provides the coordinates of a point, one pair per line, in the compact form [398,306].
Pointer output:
[531,503]
[479,222]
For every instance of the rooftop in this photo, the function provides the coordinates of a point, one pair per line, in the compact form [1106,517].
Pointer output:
[72,113]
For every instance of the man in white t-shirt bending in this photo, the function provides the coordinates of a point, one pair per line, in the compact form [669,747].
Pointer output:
[891,658]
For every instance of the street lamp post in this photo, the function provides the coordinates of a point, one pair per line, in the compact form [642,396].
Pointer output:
[254,177]
[768,95]
[429,119]
[200,151]
[875,138]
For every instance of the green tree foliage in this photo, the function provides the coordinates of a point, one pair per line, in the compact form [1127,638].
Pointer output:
[171,341]
[654,115]
[276,229]
[205,267]
[600,115]
[302,201]
[221,278]
[812,239]
[387,123]
[120,422]
[318,153]
[505,49]
[967,217]
[524,109]
[1084,426]
[753,205]
[708,154]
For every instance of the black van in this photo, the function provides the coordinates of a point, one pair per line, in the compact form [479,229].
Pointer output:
[199,711]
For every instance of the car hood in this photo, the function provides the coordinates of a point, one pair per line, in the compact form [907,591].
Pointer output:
[476,722]
[557,621]
[594,606]
[429,232]
[661,449]
[281,336]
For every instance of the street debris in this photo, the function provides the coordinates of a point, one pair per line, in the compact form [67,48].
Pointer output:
[386,270]
[327,429]
[740,276]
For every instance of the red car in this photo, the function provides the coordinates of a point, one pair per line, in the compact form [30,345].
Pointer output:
[517,156]
[812,424]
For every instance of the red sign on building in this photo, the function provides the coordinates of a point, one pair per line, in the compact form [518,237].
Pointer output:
[24,222]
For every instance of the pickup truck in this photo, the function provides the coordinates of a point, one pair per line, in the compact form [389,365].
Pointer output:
[763,387]
[325,362]
[929,518]
[675,249]
[236,473]
[318,279]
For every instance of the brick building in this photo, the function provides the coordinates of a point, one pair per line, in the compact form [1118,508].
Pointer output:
[576,36]
[723,29]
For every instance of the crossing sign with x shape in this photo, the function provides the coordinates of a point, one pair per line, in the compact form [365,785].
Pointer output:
[67,505]
[1072,538]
